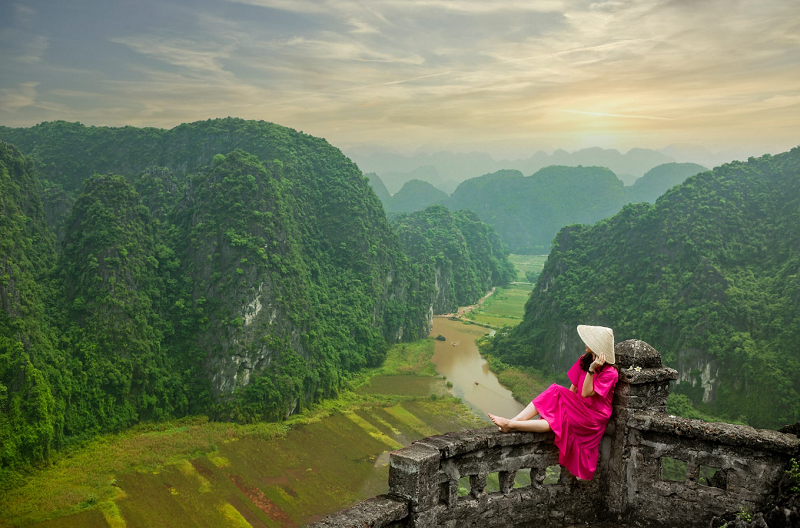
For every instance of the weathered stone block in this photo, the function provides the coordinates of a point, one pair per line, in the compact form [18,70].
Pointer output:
[377,512]
[477,483]
[412,476]
[636,353]
[506,479]
[423,519]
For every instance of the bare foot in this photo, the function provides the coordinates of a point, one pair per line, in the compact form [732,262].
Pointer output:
[500,422]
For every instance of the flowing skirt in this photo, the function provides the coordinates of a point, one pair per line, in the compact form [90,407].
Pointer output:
[577,426]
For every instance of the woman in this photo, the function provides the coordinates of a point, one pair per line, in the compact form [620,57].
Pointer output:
[578,415]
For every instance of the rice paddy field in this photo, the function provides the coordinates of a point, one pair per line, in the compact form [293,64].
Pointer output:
[526,263]
[505,307]
[194,472]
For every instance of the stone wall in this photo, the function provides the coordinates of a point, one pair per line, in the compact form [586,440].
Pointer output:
[654,469]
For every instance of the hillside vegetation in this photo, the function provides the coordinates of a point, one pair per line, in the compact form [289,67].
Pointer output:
[459,256]
[709,275]
[232,268]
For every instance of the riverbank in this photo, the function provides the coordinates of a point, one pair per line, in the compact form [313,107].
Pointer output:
[193,472]
[505,308]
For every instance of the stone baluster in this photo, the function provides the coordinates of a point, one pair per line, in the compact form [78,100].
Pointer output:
[643,385]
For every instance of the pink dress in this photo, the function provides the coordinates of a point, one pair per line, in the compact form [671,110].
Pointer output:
[578,422]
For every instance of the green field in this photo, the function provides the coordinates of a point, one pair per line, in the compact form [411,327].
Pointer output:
[527,263]
[505,307]
[193,472]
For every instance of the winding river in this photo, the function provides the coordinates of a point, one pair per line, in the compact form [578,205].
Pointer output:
[459,360]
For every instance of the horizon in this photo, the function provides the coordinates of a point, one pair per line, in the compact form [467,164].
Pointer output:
[507,78]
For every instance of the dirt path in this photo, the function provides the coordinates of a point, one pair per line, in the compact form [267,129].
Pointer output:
[463,310]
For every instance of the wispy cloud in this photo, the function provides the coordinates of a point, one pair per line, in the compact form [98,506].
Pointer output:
[529,72]
[413,6]
[625,116]
[20,96]
[190,54]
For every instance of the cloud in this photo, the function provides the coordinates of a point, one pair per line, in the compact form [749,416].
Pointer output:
[625,116]
[189,54]
[337,47]
[21,96]
[445,70]
[413,6]
[23,12]
[22,46]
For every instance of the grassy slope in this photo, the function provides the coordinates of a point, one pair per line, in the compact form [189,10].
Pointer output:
[193,472]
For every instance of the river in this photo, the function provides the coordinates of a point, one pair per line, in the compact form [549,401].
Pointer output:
[460,361]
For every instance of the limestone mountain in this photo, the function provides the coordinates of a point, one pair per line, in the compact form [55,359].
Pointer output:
[415,196]
[658,180]
[446,170]
[235,285]
[528,211]
[458,256]
[193,276]
[709,275]
[380,189]
[111,300]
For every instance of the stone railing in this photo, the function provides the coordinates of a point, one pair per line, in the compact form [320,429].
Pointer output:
[654,469]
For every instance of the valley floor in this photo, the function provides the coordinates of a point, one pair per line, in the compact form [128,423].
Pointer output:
[193,472]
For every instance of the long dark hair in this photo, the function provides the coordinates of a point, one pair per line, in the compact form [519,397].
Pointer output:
[587,360]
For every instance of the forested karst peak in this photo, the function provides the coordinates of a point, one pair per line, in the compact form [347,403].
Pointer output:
[708,275]
[459,257]
[233,268]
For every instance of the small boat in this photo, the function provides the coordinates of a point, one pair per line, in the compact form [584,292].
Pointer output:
[476,383]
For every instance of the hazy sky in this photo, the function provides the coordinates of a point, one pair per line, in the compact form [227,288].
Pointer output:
[498,76]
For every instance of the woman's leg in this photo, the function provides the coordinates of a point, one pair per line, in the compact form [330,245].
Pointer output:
[527,413]
[505,425]
[533,426]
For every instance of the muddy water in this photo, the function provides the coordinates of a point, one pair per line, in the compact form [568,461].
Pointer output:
[458,359]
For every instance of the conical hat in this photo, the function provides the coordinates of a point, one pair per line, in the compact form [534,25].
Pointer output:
[599,339]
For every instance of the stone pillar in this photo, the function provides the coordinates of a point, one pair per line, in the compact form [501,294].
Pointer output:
[413,479]
[643,385]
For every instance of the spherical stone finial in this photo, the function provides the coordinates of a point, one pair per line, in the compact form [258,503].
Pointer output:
[636,353]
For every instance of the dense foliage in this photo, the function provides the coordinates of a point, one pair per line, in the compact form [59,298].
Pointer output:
[110,303]
[234,268]
[457,256]
[28,415]
[709,275]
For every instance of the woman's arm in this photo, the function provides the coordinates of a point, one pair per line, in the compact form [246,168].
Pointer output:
[573,388]
[588,382]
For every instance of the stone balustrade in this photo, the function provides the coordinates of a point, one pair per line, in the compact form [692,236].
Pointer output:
[654,469]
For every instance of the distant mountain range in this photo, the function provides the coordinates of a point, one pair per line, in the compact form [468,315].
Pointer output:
[528,211]
[445,170]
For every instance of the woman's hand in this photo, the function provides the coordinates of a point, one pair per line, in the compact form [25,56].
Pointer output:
[598,362]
